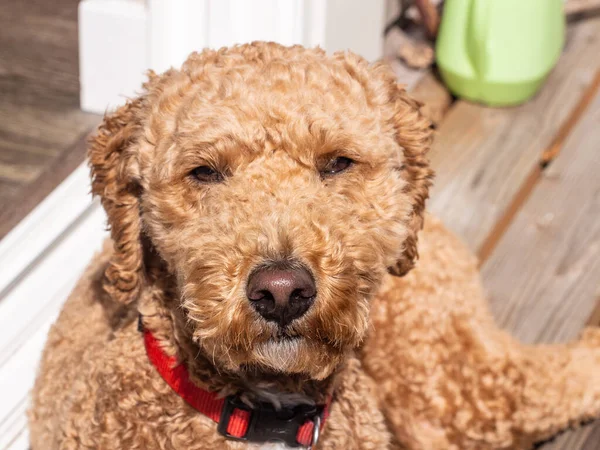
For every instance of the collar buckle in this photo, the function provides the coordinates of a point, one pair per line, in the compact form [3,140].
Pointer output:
[266,424]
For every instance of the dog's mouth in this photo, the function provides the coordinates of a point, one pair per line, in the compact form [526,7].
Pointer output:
[285,335]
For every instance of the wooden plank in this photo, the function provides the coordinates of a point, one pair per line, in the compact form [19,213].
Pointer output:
[483,156]
[14,208]
[19,167]
[584,438]
[593,439]
[39,41]
[594,319]
[37,121]
[7,189]
[521,196]
[573,7]
[544,276]
[40,118]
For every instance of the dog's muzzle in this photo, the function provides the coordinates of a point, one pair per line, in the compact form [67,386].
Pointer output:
[281,293]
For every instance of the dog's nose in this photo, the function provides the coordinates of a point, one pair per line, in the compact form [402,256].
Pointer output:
[281,295]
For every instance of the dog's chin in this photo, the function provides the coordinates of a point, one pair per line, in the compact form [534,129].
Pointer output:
[288,355]
[296,355]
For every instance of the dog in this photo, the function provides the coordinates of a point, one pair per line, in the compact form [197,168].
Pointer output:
[261,287]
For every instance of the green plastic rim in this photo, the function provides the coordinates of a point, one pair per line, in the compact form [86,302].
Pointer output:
[493,94]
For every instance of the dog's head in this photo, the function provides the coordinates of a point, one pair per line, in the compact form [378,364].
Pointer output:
[278,185]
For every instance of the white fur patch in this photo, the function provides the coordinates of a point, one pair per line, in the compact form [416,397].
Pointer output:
[279,354]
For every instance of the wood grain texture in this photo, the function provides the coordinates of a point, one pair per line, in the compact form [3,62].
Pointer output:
[23,199]
[544,276]
[594,319]
[483,156]
[573,7]
[7,190]
[592,441]
[584,438]
[521,196]
[40,120]
[434,96]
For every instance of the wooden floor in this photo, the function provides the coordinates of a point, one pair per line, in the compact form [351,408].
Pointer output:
[41,126]
[522,187]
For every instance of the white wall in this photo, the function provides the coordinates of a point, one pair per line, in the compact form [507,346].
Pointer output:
[357,25]
[120,39]
[113,54]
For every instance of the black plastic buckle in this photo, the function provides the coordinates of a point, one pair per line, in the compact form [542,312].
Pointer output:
[267,424]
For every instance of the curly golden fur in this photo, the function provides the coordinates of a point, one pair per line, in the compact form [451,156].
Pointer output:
[412,357]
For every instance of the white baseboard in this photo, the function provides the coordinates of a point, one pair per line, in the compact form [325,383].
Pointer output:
[41,260]
[36,233]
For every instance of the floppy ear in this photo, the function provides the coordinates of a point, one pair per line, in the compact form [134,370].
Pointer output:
[111,154]
[414,135]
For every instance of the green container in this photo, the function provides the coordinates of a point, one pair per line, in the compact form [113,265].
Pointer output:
[499,52]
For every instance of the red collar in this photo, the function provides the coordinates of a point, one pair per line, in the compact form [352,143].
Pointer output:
[295,427]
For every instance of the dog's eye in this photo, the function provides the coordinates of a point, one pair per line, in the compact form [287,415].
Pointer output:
[336,165]
[205,174]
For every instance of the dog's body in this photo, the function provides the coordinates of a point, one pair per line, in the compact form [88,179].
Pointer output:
[410,362]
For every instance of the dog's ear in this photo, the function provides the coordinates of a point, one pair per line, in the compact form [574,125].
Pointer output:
[414,135]
[111,156]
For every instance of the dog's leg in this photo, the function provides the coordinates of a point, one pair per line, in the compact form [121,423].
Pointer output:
[505,394]
[478,388]
[449,378]
[560,387]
